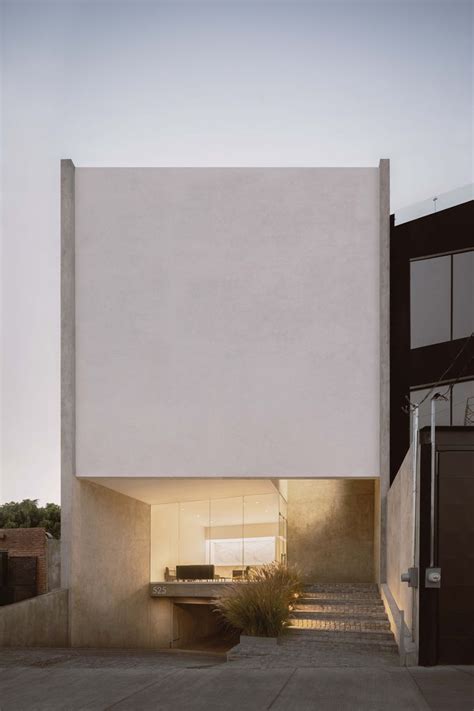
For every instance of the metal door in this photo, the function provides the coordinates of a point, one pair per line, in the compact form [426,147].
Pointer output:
[456,557]
[446,610]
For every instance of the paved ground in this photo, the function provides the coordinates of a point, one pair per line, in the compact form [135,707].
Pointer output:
[70,680]
[303,652]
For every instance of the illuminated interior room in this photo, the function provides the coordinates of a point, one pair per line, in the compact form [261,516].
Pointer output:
[232,534]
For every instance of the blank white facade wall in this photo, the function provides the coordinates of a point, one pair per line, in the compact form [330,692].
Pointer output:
[227,322]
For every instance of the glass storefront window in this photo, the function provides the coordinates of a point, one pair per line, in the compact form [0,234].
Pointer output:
[260,529]
[282,530]
[164,540]
[193,544]
[234,534]
[226,536]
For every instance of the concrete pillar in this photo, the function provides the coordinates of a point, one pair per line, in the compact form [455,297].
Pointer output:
[384,199]
[109,597]
[68,369]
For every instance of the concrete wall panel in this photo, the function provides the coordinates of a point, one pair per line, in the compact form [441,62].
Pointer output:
[331,529]
[377,532]
[54,564]
[227,322]
[68,365]
[400,536]
[384,424]
[38,622]
[110,604]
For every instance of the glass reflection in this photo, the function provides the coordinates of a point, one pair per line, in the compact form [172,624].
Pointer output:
[260,529]
[193,544]
[430,301]
[226,537]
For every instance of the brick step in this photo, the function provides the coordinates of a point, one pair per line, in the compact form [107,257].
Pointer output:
[344,588]
[341,608]
[308,644]
[317,655]
[346,625]
[332,599]
[365,621]
[317,630]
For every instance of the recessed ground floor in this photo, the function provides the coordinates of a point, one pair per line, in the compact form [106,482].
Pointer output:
[131,536]
[327,528]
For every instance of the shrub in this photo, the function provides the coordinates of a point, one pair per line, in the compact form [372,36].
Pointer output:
[27,514]
[261,605]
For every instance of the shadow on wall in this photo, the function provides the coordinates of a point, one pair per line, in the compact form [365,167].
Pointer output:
[331,529]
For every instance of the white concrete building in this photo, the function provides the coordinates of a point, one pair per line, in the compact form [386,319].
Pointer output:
[224,382]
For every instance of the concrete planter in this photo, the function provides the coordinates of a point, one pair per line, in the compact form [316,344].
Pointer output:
[253,643]
[253,647]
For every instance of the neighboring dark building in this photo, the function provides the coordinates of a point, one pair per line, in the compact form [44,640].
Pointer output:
[432,317]
[432,351]
[446,613]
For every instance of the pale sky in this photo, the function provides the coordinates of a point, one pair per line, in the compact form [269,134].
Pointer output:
[201,84]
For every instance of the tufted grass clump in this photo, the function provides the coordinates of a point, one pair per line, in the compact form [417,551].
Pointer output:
[260,606]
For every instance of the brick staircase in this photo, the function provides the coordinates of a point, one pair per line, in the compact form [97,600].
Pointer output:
[349,615]
[333,625]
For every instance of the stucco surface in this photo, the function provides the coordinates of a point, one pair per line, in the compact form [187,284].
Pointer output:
[227,322]
[331,529]
[38,622]
[54,564]
[377,534]
[400,536]
[384,482]
[68,364]
[110,605]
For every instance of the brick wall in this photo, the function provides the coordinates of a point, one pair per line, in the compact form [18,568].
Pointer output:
[28,542]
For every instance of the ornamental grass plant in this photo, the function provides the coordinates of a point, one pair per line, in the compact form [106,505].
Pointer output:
[260,606]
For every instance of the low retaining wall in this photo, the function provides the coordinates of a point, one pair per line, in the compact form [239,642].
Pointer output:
[400,600]
[41,621]
[403,637]
[400,536]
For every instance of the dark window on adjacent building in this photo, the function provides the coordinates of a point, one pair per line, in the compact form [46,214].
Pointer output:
[441,298]
[463,294]
[430,299]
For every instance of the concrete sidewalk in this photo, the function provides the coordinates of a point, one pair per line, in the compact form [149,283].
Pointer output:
[69,680]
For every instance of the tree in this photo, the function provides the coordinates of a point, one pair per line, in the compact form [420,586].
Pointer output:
[27,514]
